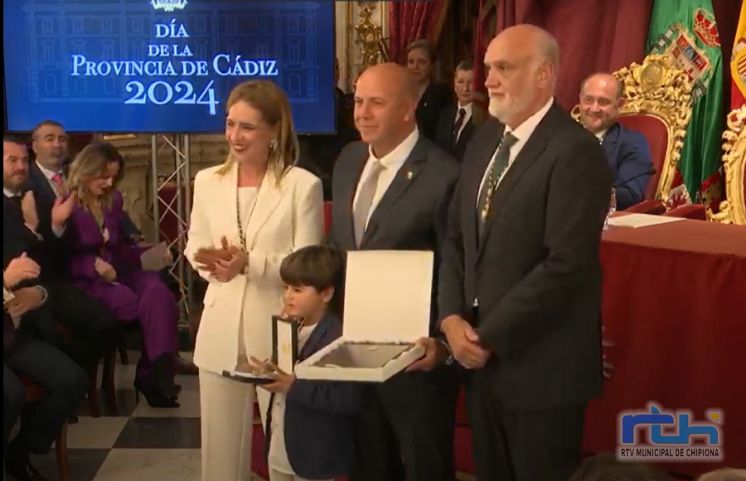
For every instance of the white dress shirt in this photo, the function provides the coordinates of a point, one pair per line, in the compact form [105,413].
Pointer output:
[278,455]
[523,134]
[391,163]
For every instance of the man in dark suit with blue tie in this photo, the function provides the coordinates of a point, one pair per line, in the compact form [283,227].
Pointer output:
[459,119]
[627,151]
[520,279]
[391,192]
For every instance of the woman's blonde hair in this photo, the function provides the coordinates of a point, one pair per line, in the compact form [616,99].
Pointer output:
[269,99]
[90,163]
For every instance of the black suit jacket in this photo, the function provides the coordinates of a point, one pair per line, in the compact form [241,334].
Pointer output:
[17,239]
[536,271]
[411,214]
[444,130]
[434,99]
[53,257]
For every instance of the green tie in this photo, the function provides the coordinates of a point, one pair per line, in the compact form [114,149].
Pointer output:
[493,177]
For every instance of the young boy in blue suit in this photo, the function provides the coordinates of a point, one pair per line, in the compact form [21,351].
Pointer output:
[310,423]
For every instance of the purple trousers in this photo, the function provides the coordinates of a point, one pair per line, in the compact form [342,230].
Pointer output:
[142,296]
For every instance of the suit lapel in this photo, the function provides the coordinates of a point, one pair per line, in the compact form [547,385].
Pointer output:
[449,113]
[610,144]
[526,158]
[43,183]
[267,199]
[87,223]
[471,184]
[11,212]
[464,137]
[403,179]
[317,336]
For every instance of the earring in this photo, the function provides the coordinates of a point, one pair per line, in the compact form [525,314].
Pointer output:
[273,145]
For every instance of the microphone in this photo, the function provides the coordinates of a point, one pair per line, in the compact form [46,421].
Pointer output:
[651,171]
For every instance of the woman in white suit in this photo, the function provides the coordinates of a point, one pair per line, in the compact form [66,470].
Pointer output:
[265,208]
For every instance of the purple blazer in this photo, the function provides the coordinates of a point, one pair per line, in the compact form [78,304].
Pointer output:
[87,243]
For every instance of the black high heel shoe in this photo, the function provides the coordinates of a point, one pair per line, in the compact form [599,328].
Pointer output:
[154,396]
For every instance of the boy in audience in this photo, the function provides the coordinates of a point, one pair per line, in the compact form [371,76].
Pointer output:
[460,119]
[310,423]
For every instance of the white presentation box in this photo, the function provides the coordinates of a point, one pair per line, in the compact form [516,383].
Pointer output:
[387,308]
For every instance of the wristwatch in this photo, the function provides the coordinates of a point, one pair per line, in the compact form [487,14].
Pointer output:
[450,359]
[44,294]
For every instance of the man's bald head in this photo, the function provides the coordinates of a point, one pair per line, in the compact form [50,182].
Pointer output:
[601,98]
[534,41]
[522,64]
[393,77]
[606,79]
[386,98]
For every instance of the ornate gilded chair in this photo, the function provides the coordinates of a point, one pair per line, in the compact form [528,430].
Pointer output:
[733,210]
[658,104]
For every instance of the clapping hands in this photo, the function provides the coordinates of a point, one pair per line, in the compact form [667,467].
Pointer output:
[19,269]
[223,263]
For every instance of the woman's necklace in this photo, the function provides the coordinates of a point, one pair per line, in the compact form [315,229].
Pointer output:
[241,233]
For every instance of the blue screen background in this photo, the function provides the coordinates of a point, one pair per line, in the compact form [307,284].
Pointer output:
[42,36]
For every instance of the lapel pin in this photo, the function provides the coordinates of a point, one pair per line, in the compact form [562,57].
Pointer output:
[410,174]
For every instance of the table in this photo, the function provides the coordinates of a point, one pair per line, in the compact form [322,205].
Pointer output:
[674,305]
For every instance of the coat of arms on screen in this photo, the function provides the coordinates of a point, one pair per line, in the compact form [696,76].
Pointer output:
[168,5]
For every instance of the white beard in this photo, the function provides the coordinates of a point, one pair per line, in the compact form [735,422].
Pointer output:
[509,108]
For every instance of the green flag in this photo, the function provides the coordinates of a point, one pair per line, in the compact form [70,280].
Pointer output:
[686,30]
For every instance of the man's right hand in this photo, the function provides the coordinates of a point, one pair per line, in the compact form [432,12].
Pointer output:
[24,300]
[464,342]
[19,269]
[105,270]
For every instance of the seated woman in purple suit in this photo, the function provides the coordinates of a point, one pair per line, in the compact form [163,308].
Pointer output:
[106,265]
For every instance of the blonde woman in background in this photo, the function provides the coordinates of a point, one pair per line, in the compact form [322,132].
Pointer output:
[106,266]
[248,215]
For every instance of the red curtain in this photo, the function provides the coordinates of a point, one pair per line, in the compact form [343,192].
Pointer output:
[413,20]
[593,36]
[483,33]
